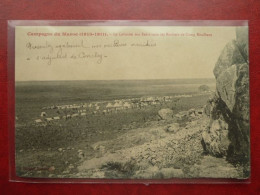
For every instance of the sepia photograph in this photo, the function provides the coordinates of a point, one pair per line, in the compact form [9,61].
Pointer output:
[132,102]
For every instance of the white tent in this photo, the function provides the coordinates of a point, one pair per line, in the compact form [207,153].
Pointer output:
[74,115]
[109,105]
[127,105]
[38,120]
[116,105]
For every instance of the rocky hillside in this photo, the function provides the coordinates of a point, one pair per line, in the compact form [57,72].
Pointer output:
[227,134]
[168,148]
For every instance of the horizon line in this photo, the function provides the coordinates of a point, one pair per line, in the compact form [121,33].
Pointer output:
[113,79]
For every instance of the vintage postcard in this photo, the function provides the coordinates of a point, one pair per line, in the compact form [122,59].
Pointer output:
[132,101]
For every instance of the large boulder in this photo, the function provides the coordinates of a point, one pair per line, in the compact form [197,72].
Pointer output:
[228,131]
[165,114]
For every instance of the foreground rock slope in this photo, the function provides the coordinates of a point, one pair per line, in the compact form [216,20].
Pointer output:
[154,152]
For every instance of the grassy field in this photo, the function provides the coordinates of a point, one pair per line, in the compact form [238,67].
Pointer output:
[37,146]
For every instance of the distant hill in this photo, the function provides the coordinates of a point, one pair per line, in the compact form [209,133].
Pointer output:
[204,88]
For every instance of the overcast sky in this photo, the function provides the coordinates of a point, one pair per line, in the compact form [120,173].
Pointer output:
[172,58]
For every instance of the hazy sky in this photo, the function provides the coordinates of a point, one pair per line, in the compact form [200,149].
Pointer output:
[173,56]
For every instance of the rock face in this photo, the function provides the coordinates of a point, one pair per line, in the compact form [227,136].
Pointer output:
[228,131]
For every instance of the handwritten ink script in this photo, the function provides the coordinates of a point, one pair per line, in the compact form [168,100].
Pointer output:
[80,50]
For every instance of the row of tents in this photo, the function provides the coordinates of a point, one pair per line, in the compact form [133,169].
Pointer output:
[106,107]
[127,103]
[49,119]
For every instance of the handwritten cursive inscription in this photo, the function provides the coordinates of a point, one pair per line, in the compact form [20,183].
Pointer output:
[82,50]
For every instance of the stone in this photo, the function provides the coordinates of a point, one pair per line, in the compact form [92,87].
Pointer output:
[216,140]
[227,134]
[98,174]
[171,173]
[52,168]
[153,161]
[182,115]
[230,55]
[165,114]
[78,174]
[175,127]
[60,149]
[226,86]
[192,110]
[199,112]
[102,149]
[193,115]
[81,155]
[208,108]
[178,116]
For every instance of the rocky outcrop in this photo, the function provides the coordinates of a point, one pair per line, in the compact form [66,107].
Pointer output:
[228,131]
